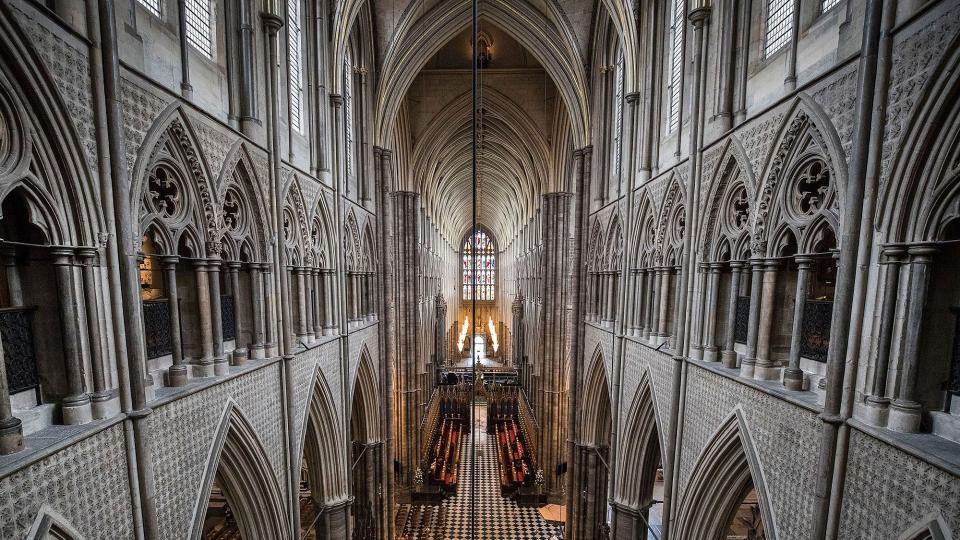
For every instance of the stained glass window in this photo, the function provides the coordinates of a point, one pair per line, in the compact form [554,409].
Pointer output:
[617,147]
[486,266]
[348,112]
[294,34]
[676,63]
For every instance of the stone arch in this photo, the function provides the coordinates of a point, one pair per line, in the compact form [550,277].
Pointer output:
[239,464]
[321,443]
[365,390]
[614,244]
[732,192]
[670,222]
[293,221]
[595,423]
[352,253]
[321,233]
[50,525]
[171,145]
[240,173]
[922,196]
[930,527]
[806,138]
[641,451]
[42,156]
[643,230]
[723,473]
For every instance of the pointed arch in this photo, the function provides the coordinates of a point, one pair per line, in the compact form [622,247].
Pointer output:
[729,201]
[366,392]
[671,225]
[922,197]
[239,464]
[614,243]
[595,423]
[724,472]
[322,444]
[929,527]
[239,173]
[641,451]
[807,138]
[51,525]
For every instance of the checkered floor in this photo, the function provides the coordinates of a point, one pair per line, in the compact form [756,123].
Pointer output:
[498,518]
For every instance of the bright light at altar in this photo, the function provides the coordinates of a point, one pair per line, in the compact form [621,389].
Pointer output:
[493,334]
[463,333]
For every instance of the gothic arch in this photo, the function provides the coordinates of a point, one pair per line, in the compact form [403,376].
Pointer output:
[171,184]
[50,525]
[595,423]
[726,224]
[725,469]
[366,392]
[671,224]
[804,176]
[923,194]
[641,451]
[239,463]
[293,221]
[239,176]
[596,248]
[43,153]
[321,233]
[352,250]
[644,231]
[613,255]
[930,527]
[322,445]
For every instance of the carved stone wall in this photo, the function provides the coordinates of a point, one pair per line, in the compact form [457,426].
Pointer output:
[86,483]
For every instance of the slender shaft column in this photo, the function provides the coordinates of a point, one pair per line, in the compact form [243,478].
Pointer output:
[700,301]
[177,373]
[301,293]
[878,399]
[240,341]
[710,348]
[11,429]
[186,89]
[14,286]
[309,303]
[790,77]
[743,59]
[248,86]
[729,355]
[203,367]
[765,368]
[663,331]
[316,302]
[906,411]
[329,327]
[88,259]
[220,365]
[756,287]
[793,375]
[76,406]
[653,306]
[257,346]
[269,308]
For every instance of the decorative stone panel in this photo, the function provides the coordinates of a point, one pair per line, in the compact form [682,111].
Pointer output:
[367,336]
[594,337]
[215,142]
[659,365]
[838,98]
[787,439]
[86,483]
[182,434]
[887,490]
[304,367]
[141,107]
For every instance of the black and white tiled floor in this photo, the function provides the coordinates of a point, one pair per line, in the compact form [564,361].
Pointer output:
[498,518]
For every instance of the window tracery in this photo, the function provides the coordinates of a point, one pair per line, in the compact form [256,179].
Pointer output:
[484,279]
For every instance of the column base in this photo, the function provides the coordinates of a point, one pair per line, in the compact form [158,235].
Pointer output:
[220,366]
[177,375]
[76,410]
[330,331]
[696,352]
[793,379]
[729,359]
[105,404]
[747,367]
[904,416]
[11,436]
[257,351]
[203,368]
[272,350]
[876,410]
[711,354]
[767,372]
[658,340]
[239,356]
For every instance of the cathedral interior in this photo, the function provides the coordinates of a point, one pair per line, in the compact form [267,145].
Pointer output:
[499,269]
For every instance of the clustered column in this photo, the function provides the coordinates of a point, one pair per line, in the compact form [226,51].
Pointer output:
[75,408]
[177,373]
[793,375]
[729,354]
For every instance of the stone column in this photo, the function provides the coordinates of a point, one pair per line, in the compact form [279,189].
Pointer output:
[176,373]
[270,319]
[878,401]
[14,286]
[663,331]
[766,369]
[698,325]
[76,406]
[257,346]
[316,302]
[729,354]
[11,430]
[906,411]
[710,348]
[653,306]
[309,303]
[756,284]
[793,375]
[220,365]
[101,394]
[329,326]
[301,294]
[186,89]
[240,346]
[203,367]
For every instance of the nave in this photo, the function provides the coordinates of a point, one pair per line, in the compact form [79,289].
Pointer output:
[497,516]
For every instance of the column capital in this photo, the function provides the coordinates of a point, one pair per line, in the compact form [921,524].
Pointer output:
[169,262]
[922,252]
[893,253]
[716,267]
[61,255]
[632,98]
[234,266]
[737,265]
[804,260]
[698,17]
[272,22]
[336,100]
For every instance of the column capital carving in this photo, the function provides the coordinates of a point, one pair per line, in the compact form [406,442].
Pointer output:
[272,22]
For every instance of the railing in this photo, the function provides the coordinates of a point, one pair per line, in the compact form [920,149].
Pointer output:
[815,329]
[228,317]
[16,331]
[156,326]
[742,320]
